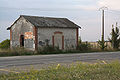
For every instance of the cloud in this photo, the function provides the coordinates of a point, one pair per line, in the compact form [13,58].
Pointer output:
[111,4]
[81,12]
[49,4]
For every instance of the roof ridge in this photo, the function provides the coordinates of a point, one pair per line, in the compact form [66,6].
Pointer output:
[43,17]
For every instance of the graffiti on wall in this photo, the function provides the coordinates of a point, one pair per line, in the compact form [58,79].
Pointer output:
[69,43]
[28,35]
[41,43]
[45,42]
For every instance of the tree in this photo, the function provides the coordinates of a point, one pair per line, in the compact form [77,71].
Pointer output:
[115,39]
[5,44]
[102,44]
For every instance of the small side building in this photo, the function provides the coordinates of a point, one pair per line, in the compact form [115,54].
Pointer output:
[32,32]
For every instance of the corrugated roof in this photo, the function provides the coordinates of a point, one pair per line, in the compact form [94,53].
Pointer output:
[50,22]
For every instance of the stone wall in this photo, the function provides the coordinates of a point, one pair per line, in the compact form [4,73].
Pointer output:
[22,27]
[45,36]
[65,38]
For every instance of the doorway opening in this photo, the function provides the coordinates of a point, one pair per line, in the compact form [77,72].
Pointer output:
[22,40]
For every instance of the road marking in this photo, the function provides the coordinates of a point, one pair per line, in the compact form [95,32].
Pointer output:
[8,71]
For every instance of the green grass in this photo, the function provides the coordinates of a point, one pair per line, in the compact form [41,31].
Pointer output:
[15,52]
[46,50]
[23,52]
[79,71]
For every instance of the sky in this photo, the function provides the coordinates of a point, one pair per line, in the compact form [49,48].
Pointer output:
[85,13]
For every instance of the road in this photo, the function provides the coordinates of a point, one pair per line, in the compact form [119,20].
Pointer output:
[42,60]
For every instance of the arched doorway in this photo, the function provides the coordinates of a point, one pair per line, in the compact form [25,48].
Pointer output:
[22,41]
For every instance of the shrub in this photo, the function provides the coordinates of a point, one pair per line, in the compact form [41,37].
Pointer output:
[102,45]
[5,44]
[48,50]
[115,37]
[84,46]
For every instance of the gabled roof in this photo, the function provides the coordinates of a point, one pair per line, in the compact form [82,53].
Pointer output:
[50,22]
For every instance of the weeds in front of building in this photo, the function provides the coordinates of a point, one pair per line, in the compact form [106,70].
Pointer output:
[83,47]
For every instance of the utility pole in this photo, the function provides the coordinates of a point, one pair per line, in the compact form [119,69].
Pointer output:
[103,21]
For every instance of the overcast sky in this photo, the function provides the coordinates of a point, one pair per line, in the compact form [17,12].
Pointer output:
[85,13]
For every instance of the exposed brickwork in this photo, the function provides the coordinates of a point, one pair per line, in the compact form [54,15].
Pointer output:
[10,38]
[58,32]
[77,35]
[62,42]
[53,40]
[20,40]
[35,33]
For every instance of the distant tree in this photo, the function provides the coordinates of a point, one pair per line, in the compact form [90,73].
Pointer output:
[115,39]
[5,44]
[80,40]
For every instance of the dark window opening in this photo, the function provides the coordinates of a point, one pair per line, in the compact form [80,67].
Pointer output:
[22,40]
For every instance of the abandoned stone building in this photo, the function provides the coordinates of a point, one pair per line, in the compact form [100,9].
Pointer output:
[32,32]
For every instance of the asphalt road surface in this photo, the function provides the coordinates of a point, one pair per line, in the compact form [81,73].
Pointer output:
[41,60]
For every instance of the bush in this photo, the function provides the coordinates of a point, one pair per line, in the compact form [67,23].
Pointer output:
[49,50]
[84,46]
[102,45]
[5,44]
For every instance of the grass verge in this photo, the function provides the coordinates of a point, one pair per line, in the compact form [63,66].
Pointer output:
[79,71]
[23,52]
